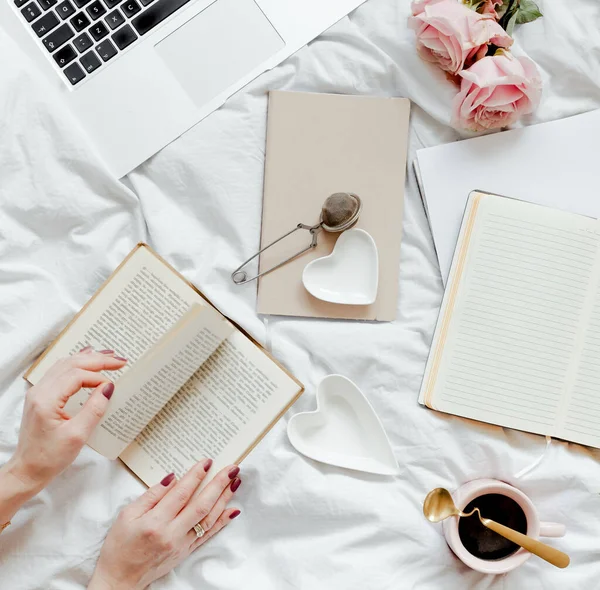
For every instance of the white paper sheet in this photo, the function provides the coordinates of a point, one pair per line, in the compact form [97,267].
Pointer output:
[554,164]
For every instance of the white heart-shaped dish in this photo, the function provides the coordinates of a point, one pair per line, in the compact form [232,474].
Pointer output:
[344,430]
[349,275]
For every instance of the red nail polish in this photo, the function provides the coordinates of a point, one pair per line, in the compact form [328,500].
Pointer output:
[86,349]
[108,390]
[165,481]
[107,351]
[208,464]
[234,472]
[235,484]
[234,514]
[120,358]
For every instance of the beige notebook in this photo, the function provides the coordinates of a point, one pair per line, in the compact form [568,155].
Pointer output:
[518,338]
[318,144]
[195,386]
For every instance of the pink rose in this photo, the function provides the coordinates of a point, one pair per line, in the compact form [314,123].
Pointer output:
[489,7]
[495,92]
[451,35]
[418,6]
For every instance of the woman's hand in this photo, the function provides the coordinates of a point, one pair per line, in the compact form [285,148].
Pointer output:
[155,533]
[49,441]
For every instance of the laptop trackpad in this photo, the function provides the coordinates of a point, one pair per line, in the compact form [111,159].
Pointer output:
[218,47]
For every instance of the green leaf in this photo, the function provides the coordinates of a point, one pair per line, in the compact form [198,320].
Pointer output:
[509,19]
[510,25]
[501,10]
[528,12]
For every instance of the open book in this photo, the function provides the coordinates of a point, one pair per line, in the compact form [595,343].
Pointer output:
[195,385]
[518,338]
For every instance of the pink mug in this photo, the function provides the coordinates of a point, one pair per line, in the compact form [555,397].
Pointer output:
[479,487]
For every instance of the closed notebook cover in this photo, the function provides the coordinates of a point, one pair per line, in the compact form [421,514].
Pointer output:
[319,144]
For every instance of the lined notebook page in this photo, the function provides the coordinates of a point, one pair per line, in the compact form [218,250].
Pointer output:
[513,315]
[582,412]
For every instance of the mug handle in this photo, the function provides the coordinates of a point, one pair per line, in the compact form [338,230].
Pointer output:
[552,529]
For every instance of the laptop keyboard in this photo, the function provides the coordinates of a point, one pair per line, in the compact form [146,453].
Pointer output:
[84,35]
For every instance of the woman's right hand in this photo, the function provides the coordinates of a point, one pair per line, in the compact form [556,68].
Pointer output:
[155,533]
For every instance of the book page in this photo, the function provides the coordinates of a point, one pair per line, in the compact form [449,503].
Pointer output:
[220,413]
[143,391]
[512,316]
[141,301]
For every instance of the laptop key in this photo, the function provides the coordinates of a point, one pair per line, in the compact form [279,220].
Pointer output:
[111,3]
[74,73]
[31,12]
[96,10]
[146,2]
[81,3]
[83,42]
[90,62]
[47,4]
[45,24]
[65,56]
[114,19]
[124,37]
[130,8]
[65,10]
[157,13]
[99,31]
[80,22]
[106,50]
[58,38]
[19,3]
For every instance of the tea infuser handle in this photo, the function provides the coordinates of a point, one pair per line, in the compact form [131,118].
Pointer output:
[549,554]
[240,277]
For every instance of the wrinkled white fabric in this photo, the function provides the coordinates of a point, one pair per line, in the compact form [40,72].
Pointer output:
[65,224]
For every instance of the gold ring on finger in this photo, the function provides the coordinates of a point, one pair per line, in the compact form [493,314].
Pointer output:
[200,532]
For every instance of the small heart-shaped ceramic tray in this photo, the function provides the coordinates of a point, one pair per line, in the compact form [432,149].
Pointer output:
[344,430]
[349,275]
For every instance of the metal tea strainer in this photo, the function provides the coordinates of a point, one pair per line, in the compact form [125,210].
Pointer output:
[339,213]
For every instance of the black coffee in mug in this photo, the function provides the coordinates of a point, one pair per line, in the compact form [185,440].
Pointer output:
[483,542]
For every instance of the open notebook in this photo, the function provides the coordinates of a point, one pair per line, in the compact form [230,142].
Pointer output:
[195,386]
[518,337]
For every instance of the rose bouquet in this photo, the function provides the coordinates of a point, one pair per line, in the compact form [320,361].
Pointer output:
[471,40]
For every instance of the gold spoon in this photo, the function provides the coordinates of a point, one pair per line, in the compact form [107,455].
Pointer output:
[439,505]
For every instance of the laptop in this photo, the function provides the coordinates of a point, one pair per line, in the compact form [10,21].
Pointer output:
[139,73]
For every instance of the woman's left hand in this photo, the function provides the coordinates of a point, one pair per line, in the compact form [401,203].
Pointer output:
[49,441]
[156,533]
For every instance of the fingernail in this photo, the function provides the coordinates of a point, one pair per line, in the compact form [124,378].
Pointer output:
[235,484]
[108,390]
[234,514]
[107,351]
[86,349]
[120,358]
[208,464]
[234,472]
[165,481]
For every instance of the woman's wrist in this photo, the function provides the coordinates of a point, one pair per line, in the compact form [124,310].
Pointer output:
[16,488]
[30,478]
[101,581]
[98,583]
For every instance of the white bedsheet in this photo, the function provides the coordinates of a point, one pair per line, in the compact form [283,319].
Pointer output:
[65,224]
